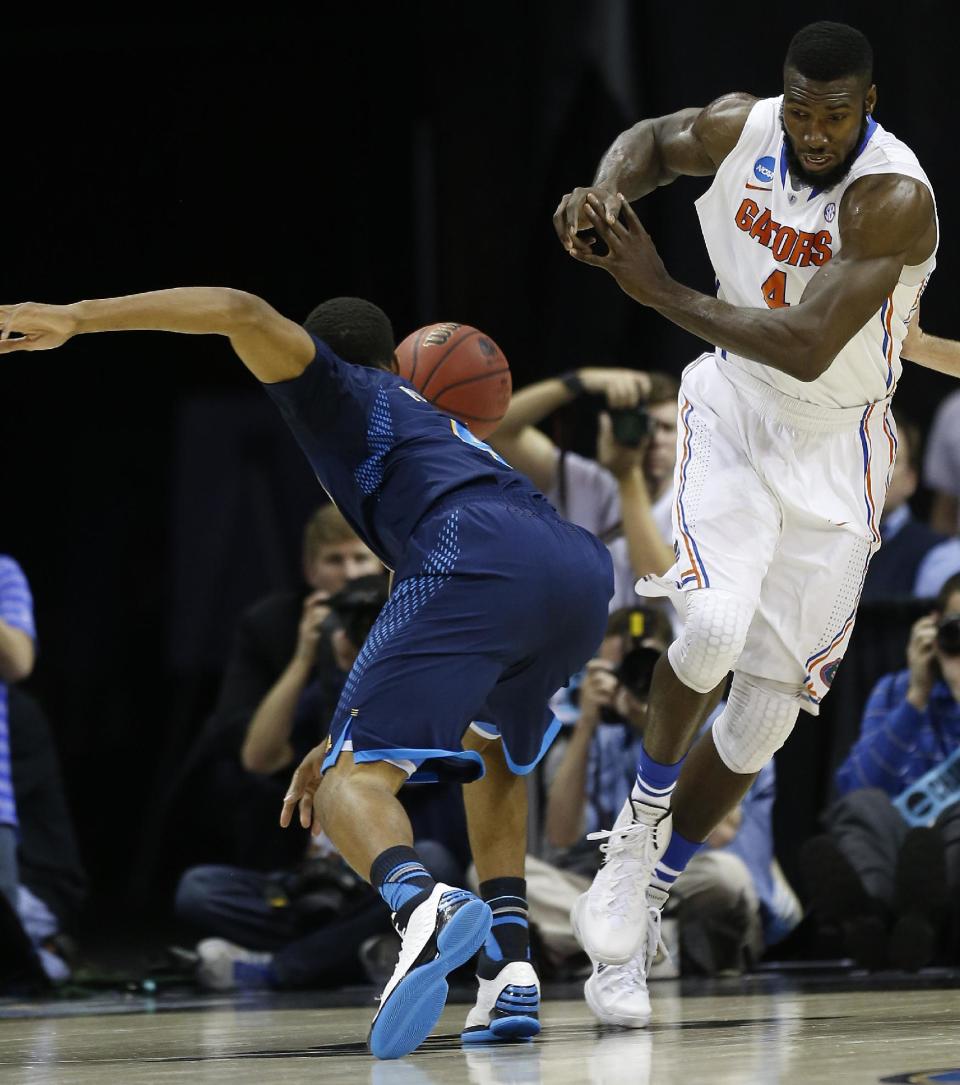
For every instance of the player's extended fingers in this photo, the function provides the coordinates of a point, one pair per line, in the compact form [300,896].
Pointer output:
[611,207]
[7,324]
[306,809]
[286,813]
[605,231]
[613,224]
[560,223]
[573,212]
[8,346]
[292,797]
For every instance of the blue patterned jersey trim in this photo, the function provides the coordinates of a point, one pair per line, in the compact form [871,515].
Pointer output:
[369,474]
[410,595]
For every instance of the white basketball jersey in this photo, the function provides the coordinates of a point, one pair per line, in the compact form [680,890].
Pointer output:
[766,240]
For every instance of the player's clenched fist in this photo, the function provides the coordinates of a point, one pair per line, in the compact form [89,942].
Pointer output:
[570,215]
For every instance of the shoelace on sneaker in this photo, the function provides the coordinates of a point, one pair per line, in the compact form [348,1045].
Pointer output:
[622,845]
[654,940]
[633,974]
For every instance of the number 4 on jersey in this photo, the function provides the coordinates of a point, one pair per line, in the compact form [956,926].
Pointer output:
[774,290]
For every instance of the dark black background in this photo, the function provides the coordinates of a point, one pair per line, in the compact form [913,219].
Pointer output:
[409,153]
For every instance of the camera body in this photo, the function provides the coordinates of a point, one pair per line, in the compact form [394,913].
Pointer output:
[357,606]
[635,674]
[948,635]
[631,425]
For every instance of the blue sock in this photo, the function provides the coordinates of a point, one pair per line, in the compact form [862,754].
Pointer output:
[509,937]
[671,864]
[402,880]
[655,782]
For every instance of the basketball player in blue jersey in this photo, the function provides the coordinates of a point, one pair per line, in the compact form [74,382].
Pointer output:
[496,601]
[822,230]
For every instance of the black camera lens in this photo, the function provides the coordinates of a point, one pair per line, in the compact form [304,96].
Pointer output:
[948,635]
[631,425]
[358,605]
[636,671]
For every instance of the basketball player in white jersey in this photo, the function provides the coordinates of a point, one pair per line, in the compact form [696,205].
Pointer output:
[822,230]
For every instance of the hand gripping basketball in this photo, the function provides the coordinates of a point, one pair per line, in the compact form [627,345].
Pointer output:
[632,258]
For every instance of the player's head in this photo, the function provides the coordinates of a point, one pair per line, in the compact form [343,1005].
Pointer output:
[332,553]
[828,96]
[356,331]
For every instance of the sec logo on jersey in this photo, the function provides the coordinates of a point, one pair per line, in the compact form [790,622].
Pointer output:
[763,168]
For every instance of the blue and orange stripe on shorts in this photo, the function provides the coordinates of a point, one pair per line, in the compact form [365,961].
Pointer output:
[696,572]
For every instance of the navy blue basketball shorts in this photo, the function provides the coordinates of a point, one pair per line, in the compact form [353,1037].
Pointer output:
[498,601]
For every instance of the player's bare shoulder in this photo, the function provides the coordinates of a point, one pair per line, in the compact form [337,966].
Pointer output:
[720,124]
[886,213]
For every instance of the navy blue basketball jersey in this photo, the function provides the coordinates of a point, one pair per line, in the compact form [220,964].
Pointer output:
[383,454]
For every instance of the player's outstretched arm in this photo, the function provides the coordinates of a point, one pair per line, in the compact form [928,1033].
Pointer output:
[270,346]
[654,152]
[931,351]
[887,222]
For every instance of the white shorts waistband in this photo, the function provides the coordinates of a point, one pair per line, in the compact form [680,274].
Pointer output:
[771,403]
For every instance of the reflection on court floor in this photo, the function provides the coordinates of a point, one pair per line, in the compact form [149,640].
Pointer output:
[765,1037]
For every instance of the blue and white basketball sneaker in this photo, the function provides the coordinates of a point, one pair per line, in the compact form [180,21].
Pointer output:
[443,932]
[507,1008]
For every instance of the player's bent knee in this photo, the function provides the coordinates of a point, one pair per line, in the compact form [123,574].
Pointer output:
[714,633]
[757,720]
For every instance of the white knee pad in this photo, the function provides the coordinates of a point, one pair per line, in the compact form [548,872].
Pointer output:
[714,632]
[757,720]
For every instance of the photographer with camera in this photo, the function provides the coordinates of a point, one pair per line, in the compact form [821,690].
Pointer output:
[624,496]
[282,679]
[305,926]
[887,872]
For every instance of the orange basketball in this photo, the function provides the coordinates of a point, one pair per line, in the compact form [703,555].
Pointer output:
[460,371]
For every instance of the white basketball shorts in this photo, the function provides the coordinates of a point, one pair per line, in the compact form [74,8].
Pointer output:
[778,501]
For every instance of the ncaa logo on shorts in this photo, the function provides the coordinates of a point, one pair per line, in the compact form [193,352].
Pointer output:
[830,212]
[763,168]
[828,672]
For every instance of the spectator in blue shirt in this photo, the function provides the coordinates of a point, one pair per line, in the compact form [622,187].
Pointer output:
[914,561]
[17,635]
[888,886]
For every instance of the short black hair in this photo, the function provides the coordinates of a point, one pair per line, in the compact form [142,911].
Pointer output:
[355,329]
[824,52]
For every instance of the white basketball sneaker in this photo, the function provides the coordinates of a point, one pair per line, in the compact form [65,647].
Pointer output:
[617,993]
[507,1008]
[610,919]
